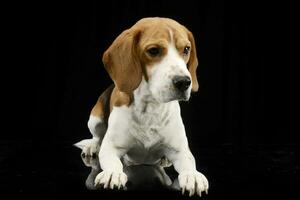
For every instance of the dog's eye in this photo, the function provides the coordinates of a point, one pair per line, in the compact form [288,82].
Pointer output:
[186,50]
[154,51]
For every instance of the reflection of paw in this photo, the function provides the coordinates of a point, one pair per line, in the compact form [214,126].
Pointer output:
[163,177]
[111,179]
[91,162]
[164,162]
[90,147]
[193,182]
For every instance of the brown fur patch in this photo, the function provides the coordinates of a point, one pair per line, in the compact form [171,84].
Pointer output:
[119,98]
[98,109]
[193,63]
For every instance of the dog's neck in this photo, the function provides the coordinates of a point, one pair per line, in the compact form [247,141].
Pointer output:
[144,100]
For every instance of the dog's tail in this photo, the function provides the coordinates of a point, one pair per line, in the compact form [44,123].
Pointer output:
[82,143]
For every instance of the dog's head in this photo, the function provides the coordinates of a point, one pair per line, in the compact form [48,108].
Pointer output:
[161,51]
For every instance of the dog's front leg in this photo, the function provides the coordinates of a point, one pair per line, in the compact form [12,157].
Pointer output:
[189,178]
[112,175]
[114,145]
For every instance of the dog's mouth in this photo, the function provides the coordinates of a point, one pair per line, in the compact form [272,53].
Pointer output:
[179,96]
[183,96]
[165,96]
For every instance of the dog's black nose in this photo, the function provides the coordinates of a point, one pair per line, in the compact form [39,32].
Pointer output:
[182,83]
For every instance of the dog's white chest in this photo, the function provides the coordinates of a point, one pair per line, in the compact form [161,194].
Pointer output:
[148,120]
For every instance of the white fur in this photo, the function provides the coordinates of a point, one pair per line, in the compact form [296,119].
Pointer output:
[93,124]
[149,129]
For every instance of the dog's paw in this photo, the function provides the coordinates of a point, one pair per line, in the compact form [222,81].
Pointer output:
[110,179]
[90,147]
[193,182]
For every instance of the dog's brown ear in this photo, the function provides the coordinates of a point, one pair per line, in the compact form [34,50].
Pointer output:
[122,62]
[193,63]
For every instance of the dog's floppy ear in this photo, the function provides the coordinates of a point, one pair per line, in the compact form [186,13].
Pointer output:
[193,63]
[122,62]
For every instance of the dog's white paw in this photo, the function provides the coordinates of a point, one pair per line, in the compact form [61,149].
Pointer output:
[193,182]
[110,179]
[90,147]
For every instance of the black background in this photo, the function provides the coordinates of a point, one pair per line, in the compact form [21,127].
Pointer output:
[241,125]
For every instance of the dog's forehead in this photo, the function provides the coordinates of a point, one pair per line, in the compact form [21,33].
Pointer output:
[158,29]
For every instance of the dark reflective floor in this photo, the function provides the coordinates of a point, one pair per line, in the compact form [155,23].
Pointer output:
[33,170]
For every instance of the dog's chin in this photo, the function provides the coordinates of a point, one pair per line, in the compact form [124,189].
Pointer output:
[171,95]
[183,97]
[175,97]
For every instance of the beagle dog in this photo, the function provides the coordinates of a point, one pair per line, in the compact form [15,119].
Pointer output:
[137,120]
